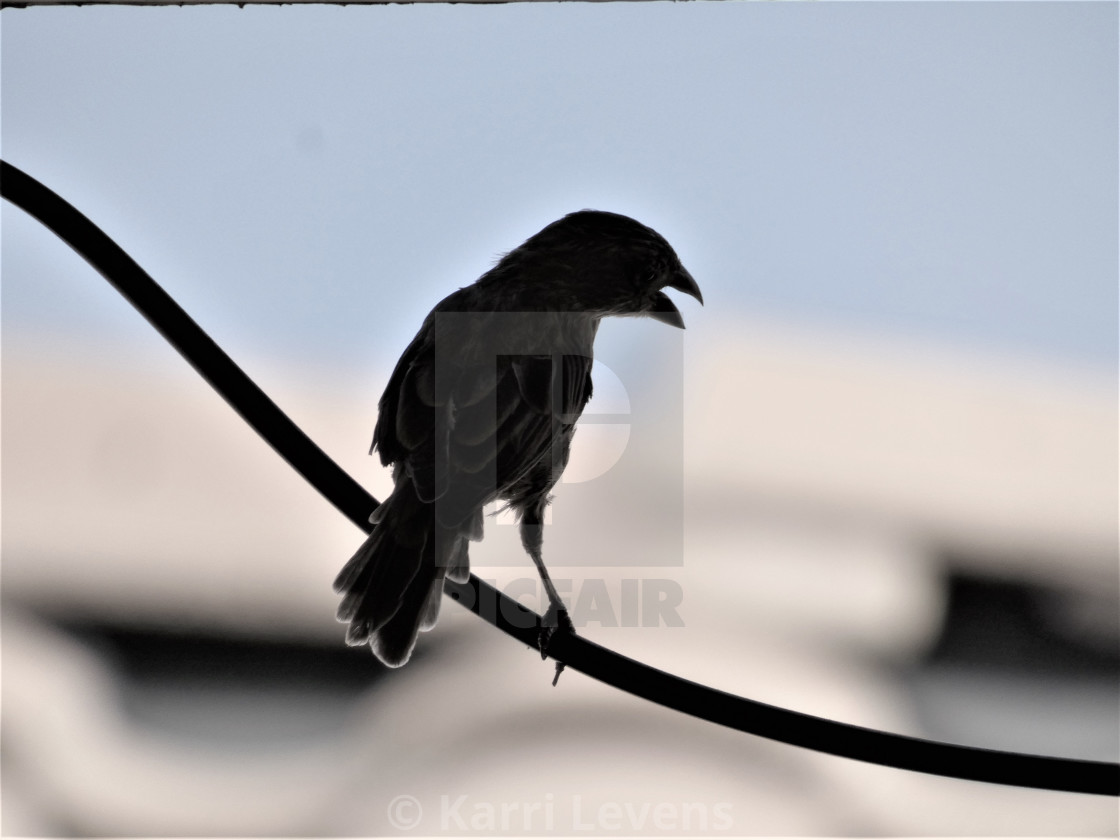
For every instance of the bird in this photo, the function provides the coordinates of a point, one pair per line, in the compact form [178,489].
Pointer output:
[482,407]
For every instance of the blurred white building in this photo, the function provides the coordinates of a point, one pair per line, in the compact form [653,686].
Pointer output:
[919,542]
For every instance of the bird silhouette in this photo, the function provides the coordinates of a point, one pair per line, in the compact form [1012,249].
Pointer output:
[482,406]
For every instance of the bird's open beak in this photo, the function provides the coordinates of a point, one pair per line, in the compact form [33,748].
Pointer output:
[663,308]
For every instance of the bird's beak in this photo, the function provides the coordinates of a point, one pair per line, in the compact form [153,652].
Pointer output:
[684,282]
[663,308]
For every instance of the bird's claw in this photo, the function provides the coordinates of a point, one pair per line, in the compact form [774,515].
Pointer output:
[556,619]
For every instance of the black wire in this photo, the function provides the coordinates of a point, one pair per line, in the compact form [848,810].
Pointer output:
[187,337]
[1034,771]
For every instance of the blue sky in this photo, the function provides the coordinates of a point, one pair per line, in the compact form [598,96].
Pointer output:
[308,181]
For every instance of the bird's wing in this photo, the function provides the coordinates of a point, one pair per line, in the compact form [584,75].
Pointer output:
[506,419]
[552,396]
[467,438]
[387,438]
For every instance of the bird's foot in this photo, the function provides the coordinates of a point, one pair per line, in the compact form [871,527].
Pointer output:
[555,620]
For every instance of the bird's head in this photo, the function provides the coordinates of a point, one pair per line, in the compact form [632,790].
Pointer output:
[604,264]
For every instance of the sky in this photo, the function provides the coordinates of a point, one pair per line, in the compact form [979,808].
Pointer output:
[309,181]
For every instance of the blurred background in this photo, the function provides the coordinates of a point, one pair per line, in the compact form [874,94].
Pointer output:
[887,469]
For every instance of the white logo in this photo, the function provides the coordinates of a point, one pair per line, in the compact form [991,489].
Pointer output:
[405,812]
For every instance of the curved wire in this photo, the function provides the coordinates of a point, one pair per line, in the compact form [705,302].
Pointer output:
[578,653]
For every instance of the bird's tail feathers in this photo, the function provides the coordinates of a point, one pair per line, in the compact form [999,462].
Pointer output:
[392,586]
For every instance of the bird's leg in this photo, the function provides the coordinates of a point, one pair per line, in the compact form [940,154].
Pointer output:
[556,617]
